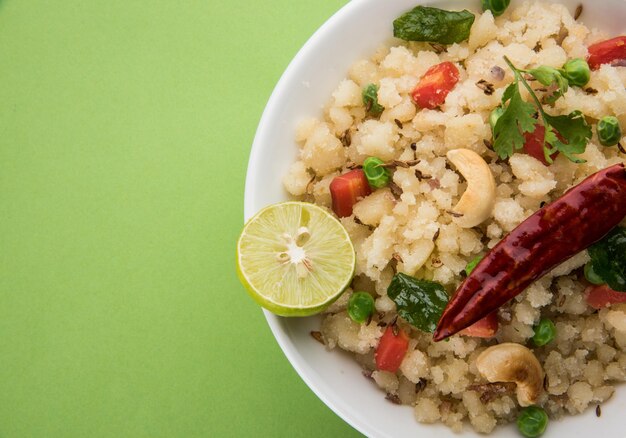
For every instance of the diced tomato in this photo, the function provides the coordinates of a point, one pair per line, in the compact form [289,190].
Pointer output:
[534,144]
[391,350]
[606,52]
[347,189]
[483,328]
[437,82]
[603,296]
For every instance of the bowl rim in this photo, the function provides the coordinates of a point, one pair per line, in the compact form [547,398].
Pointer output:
[273,320]
[276,322]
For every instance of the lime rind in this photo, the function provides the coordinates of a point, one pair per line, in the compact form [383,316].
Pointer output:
[277,286]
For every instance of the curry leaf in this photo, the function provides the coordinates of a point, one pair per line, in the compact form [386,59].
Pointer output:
[433,25]
[419,302]
[608,259]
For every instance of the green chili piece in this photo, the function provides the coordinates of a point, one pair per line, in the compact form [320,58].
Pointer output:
[377,175]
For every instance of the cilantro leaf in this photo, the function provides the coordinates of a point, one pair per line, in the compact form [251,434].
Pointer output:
[567,134]
[517,119]
[574,129]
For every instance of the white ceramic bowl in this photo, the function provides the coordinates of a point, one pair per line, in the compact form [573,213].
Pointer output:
[351,34]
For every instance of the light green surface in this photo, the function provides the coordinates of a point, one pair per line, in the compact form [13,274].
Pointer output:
[125,128]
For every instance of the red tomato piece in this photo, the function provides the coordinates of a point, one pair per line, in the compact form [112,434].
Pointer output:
[534,144]
[391,350]
[603,296]
[483,328]
[434,86]
[606,52]
[347,189]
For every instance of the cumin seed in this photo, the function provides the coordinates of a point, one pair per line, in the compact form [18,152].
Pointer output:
[578,12]
[420,385]
[598,411]
[621,148]
[393,321]
[487,87]
[393,398]
[318,337]
[394,329]
[436,235]
[395,189]
[398,163]
[454,213]
[420,176]
[346,139]
[438,48]
[309,186]
[398,123]
[591,91]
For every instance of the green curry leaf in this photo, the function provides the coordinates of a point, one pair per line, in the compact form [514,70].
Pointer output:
[608,259]
[433,25]
[419,302]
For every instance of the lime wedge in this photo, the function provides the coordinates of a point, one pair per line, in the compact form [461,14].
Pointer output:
[295,258]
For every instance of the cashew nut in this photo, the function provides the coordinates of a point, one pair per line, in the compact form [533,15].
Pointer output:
[511,362]
[476,204]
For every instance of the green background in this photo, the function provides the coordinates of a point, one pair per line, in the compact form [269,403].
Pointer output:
[125,128]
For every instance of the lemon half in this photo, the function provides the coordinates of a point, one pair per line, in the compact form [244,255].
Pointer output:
[295,258]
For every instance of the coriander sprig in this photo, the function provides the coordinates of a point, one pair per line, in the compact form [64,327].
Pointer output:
[568,134]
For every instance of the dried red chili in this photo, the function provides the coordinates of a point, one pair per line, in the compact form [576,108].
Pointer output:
[553,234]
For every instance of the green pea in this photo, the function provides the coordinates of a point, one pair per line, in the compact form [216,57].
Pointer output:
[360,306]
[532,421]
[472,264]
[609,131]
[377,175]
[497,7]
[545,332]
[577,72]
[591,275]
[494,116]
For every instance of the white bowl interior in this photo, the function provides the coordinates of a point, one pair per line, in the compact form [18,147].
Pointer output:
[351,34]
